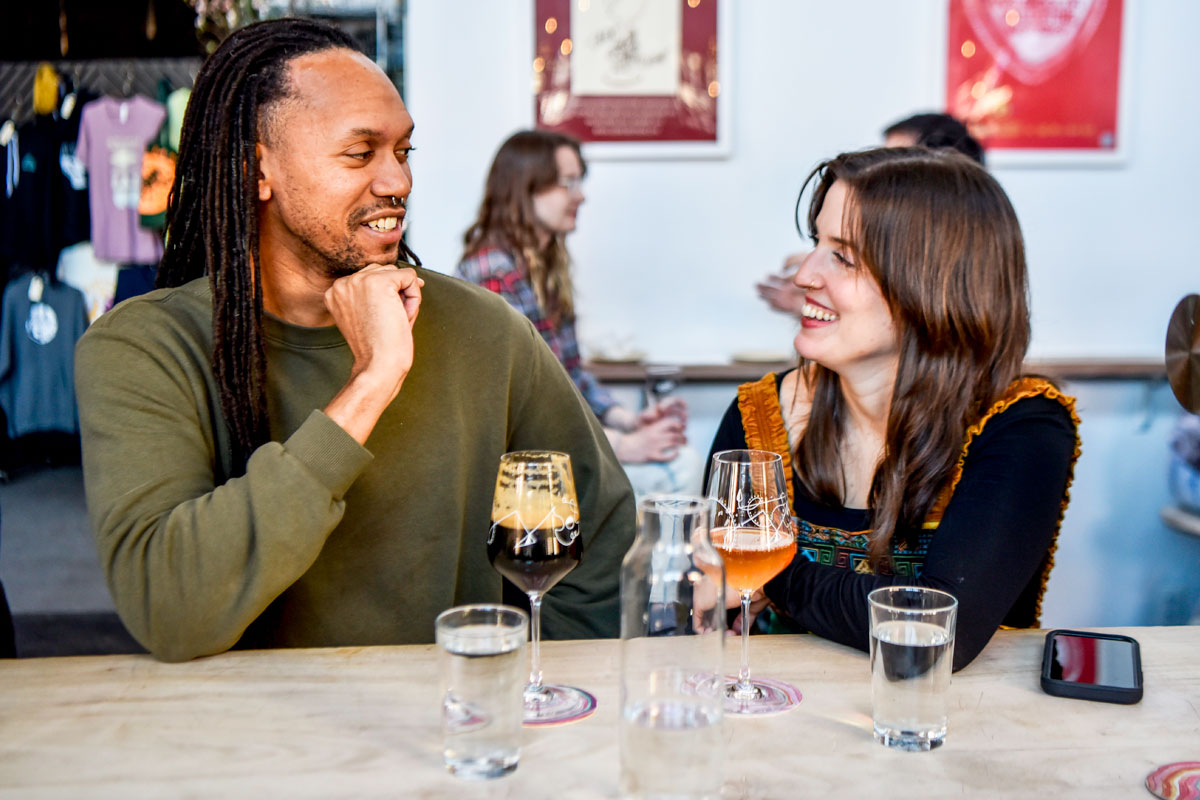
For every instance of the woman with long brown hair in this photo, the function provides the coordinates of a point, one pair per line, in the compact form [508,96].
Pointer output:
[919,452]
[517,248]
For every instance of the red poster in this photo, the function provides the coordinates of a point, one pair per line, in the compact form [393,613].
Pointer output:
[1037,74]
[628,70]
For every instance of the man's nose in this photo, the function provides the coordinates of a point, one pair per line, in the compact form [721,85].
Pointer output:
[393,178]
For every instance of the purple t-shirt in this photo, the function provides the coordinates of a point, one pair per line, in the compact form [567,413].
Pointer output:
[113,134]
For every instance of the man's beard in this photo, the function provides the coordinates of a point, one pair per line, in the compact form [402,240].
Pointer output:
[335,268]
[342,262]
[338,256]
[348,259]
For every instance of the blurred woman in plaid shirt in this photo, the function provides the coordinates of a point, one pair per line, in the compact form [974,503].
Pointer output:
[516,248]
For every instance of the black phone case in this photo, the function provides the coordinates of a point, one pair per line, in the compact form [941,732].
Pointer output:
[1088,691]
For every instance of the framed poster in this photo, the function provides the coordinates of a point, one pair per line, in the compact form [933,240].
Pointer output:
[635,78]
[1041,81]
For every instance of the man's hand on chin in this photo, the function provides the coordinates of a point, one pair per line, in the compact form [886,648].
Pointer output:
[375,309]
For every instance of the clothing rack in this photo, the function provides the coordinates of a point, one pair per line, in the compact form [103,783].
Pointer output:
[118,77]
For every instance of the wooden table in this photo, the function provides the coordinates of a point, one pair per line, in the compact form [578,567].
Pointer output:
[363,722]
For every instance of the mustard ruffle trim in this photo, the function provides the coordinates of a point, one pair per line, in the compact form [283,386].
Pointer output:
[762,420]
[1018,390]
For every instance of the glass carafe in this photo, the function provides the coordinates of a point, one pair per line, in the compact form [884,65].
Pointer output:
[672,638]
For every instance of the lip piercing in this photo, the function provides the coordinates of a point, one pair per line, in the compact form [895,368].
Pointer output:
[395,202]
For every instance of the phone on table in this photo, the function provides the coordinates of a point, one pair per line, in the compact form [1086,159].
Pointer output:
[1092,666]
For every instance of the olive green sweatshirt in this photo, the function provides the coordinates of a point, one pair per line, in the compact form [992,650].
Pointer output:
[322,541]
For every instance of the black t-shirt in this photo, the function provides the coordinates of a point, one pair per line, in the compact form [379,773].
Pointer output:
[48,209]
[986,551]
[30,235]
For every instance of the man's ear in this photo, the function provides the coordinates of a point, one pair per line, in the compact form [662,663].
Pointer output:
[264,173]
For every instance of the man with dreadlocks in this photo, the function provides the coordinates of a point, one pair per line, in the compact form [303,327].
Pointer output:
[279,450]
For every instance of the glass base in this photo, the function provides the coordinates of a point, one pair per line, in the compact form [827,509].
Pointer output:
[484,767]
[911,741]
[770,696]
[557,705]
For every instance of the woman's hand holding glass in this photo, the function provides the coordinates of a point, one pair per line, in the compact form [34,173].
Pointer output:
[733,599]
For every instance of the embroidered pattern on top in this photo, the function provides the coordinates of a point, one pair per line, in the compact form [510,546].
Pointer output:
[835,547]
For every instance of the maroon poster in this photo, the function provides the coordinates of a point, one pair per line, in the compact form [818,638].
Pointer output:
[1037,74]
[627,70]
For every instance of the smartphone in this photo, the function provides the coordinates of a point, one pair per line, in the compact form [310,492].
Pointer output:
[1092,666]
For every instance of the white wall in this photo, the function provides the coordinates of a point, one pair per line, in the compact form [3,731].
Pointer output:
[667,252]
[1117,563]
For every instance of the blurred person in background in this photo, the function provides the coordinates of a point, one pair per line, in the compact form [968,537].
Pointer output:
[932,130]
[517,248]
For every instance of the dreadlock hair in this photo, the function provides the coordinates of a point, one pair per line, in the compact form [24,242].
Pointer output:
[939,236]
[212,213]
[524,165]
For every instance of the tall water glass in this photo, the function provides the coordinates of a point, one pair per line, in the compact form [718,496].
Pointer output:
[912,649]
[482,661]
[672,637]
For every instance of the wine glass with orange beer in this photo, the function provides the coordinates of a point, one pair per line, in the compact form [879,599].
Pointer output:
[753,531]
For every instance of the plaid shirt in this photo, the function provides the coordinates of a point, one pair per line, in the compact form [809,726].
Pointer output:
[495,270]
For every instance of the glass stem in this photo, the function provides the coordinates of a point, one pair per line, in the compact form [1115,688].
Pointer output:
[743,683]
[535,630]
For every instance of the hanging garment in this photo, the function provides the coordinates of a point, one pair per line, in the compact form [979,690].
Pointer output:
[176,107]
[96,278]
[39,326]
[10,145]
[46,191]
[76,216]
[45,89]
[158,170]
[31,235]
[113,134]
[134,280]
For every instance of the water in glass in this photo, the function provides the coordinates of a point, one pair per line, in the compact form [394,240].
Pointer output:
[483,680]
[669,749]
[910,675]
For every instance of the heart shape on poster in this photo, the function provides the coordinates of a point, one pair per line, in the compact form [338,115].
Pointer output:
[1045,35]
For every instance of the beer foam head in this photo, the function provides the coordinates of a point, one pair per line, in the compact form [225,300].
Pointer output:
[535,490]
[532,509]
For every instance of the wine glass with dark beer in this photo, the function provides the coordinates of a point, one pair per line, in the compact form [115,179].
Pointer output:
[753,531]
[534,541]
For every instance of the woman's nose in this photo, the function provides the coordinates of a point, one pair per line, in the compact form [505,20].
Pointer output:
[806,274]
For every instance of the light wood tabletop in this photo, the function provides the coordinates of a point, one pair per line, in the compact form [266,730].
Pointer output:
[364,722]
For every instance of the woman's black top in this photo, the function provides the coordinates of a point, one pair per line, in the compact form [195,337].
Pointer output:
[988,550]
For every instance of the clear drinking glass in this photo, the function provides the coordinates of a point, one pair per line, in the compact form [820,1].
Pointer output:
[672,640]
[662,381]
[534,541]
[481,663]
[754,533]
[912,650]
